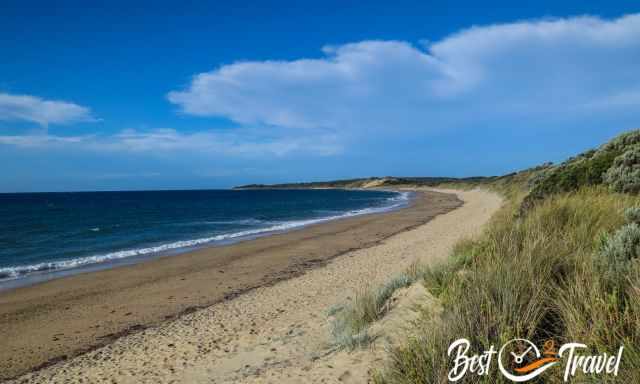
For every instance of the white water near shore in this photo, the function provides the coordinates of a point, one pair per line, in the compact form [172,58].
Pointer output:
[20,271]
[276,333]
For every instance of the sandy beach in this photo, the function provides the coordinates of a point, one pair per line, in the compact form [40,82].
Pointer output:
[277,332]
[321,192]
[56,320]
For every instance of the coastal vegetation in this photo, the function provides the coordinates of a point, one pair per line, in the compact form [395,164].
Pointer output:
[559,261]
[370,182]
[350,322]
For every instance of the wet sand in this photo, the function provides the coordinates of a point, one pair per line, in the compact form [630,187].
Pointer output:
[56,320]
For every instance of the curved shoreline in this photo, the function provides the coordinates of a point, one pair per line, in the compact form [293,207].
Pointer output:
[58,319]
[140,255]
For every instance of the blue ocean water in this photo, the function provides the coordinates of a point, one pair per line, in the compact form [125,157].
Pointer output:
[42,233]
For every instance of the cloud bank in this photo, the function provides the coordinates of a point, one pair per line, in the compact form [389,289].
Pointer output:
[364,95]
[44,112]
[243,143]
[496,73]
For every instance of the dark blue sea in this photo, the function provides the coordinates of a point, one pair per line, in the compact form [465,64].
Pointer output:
[46,234]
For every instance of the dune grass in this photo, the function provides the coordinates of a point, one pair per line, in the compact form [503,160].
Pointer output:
[566,270]
[349,326]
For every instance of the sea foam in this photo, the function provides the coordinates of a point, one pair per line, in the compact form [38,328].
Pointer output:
[13,272]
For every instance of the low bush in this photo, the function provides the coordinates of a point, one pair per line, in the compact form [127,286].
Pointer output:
[622,141]
[616,163]
[624,174]
[617,253]
[632,215]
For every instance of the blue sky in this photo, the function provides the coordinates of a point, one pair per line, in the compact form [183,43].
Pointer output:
[157,95]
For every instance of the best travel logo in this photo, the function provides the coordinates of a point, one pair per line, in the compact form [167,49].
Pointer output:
[520,360]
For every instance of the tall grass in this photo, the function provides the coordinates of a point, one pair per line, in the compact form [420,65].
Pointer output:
[537,276]
[350,323]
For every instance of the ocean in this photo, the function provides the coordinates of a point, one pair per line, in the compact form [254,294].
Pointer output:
[44,235]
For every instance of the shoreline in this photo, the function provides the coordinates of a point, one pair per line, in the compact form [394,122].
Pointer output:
[196,245]
[58,319]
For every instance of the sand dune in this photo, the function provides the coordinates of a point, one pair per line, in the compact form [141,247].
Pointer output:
[278,333]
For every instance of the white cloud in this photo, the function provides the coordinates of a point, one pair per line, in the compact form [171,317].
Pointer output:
[234,143]
[44,112]
[494,73]
[365,95]
[242,142]
[44,140]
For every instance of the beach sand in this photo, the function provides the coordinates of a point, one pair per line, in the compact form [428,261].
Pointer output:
[280,333]
[203,304]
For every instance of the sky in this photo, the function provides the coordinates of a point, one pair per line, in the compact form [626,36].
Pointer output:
[183,95]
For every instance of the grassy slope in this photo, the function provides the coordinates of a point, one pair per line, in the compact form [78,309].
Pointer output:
[534,277]
[360,183]
[558,261]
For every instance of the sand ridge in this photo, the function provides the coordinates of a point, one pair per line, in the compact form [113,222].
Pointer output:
[277,333]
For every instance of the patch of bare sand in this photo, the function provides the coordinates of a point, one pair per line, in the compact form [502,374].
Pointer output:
[280,333]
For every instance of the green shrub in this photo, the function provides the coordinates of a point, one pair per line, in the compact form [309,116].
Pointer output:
[624,174]
[632,215]
[617,252]
[622,141]
[610,164]
[584,170]
[538,176]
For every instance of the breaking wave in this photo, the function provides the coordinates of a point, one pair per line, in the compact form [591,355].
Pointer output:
[13,272]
